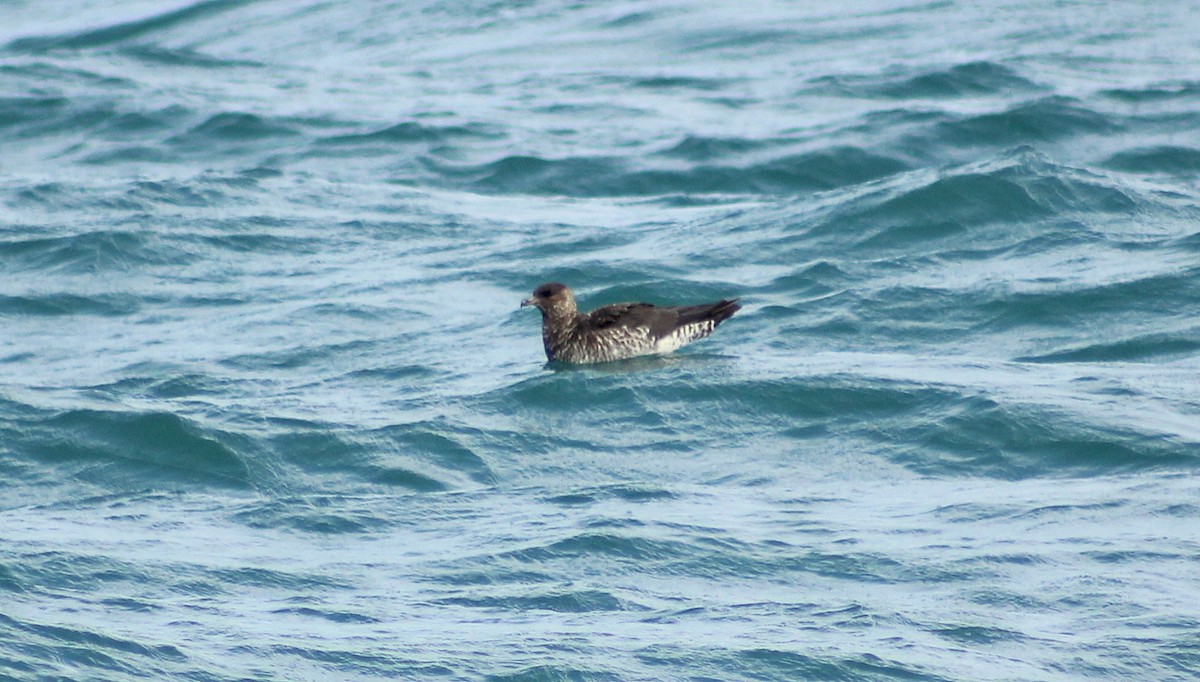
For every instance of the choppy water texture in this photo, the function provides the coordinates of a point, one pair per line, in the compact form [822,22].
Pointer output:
[268,409]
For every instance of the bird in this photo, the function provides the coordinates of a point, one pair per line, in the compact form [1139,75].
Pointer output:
[620,330]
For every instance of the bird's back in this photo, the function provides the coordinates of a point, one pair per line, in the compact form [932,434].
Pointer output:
[626,330]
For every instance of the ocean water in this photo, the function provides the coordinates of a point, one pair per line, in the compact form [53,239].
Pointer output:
[269,409]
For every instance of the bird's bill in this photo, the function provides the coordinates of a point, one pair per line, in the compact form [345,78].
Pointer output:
[527,302]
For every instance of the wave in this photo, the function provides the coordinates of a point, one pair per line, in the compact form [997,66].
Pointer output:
[571,601]
[231,134]
[612,176]
[620,491]
[982,208]
[940,425]
[1043,120]
[1165,159]
[89,649]
[158,55]
[45,117]
[93,129]
[124,32]
[1137,348]
[420,457]
[87,252]
[51,74]
[971,79]
[1161,92]
[411,131]
[322,514]
[127,450]
[22,111]
[1068,306]
[706,148]
[980,436]
[769,663]
[69,304]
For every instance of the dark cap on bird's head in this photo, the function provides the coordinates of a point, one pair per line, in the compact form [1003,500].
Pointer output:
[551,296]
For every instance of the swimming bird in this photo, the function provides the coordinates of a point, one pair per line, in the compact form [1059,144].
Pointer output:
[620,330]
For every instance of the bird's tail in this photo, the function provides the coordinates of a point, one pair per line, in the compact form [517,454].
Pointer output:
[716,312]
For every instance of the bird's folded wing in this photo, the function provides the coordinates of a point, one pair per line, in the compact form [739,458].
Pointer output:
[630,315]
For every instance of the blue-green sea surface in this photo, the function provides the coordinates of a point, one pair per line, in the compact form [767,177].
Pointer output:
[269,409]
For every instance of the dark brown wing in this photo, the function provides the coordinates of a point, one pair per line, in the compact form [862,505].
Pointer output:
[659,320]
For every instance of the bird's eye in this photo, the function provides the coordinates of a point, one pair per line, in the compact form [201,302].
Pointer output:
[544,292]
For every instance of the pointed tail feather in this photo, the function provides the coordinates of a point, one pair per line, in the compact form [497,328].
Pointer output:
[717,312]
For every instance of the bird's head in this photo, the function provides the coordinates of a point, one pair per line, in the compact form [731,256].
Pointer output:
[553,299]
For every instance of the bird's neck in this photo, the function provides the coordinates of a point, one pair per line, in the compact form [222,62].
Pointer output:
[558,325]
[563,320]
[561,315]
